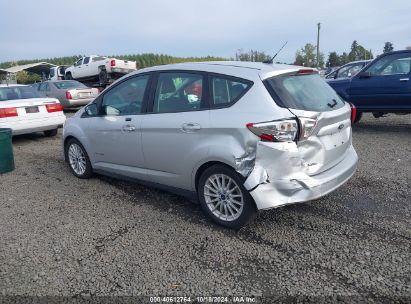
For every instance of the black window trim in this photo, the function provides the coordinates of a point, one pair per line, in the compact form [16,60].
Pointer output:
[228,77]
[205,102]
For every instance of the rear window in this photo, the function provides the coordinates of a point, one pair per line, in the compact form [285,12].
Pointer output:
[226,91]
[303,92]
[12,93]
[68,85]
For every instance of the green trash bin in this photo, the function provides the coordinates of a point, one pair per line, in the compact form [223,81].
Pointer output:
[6,151]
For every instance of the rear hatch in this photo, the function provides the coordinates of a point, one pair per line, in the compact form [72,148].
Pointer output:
[324,118]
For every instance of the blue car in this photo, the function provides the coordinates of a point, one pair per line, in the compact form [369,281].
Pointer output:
[383,86]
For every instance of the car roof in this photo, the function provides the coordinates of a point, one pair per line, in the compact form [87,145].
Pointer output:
[243,69]
[396,52]
[12,85]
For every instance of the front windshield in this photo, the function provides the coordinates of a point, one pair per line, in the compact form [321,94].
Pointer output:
[17,92]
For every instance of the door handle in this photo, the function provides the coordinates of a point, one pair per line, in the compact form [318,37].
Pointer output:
[404,79]
[129,128]
[190,127]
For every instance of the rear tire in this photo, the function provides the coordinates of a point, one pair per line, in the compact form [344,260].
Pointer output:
[51,133]
[68,76]
[103,77]
[223,197]
[78,159]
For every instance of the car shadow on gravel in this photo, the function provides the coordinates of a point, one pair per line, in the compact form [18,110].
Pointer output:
[161,200]
[191,212]
[28,137]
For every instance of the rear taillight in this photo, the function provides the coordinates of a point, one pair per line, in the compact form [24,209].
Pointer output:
[282,130]
[54,107]
[68,95]
[306,71]
[8,112]
[353,113]
[307,126]
[113,62]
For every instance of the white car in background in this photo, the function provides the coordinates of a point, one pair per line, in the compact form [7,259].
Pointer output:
[24,111]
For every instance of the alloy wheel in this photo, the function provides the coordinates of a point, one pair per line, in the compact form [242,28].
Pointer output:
[223,197]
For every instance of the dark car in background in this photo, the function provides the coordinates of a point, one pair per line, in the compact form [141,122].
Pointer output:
[383,86]
[347,70]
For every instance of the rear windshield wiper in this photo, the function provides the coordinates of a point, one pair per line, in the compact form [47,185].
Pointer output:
[332,105]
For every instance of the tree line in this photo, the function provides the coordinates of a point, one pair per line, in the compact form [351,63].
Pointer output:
[307,56]
[143,60]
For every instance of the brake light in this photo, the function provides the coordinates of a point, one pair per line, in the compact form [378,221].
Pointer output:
[68,95]
[276,131]
[353,113]
[113,62]
[54,107]
[305,72]
[8,112]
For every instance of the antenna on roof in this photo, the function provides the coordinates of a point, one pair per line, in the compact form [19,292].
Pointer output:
[271,60]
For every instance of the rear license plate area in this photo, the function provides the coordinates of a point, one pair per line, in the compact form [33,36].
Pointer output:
[85,95]
[30,110]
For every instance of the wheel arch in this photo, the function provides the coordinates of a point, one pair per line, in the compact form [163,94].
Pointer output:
[201,168]
[67,139]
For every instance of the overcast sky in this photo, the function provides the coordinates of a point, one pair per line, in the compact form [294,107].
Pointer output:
[50,28]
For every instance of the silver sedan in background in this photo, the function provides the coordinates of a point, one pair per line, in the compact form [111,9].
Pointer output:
[70,93]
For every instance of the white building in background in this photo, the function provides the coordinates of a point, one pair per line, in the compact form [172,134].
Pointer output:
[40,68]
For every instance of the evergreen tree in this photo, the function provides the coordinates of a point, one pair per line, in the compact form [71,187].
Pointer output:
[388,47]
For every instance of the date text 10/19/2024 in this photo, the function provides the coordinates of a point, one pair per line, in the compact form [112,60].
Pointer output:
[234,299]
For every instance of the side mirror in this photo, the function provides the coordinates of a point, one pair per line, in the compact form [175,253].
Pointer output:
[91,109]
[364,75]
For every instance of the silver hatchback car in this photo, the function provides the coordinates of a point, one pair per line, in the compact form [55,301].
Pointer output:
[239,136]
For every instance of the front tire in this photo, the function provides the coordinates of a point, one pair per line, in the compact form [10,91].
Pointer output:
[223,197]
[68,76]
[78,159]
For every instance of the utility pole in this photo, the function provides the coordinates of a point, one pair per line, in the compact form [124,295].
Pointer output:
[318,43]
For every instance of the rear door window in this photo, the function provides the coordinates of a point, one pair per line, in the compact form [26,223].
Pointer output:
[178,92]
[307,92]
[226,90]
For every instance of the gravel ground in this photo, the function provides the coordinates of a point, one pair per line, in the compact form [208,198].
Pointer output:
[63,236]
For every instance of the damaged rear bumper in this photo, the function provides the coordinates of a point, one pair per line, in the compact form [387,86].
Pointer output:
[279,176]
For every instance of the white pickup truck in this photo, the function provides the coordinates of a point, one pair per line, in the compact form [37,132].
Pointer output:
[99,68]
